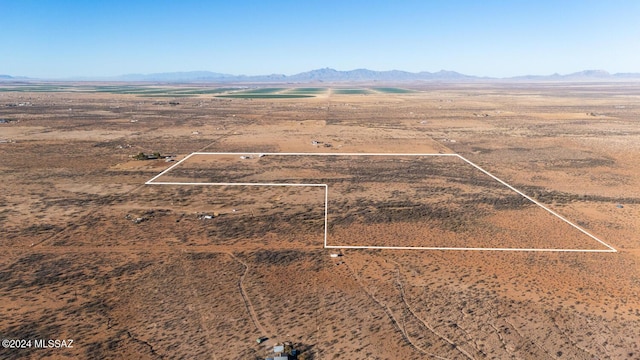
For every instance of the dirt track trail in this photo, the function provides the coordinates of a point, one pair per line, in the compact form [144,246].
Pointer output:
[389,313]
[422,321]
[245,296]
[228,134]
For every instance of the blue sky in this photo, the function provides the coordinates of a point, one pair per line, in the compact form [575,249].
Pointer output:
[62,38]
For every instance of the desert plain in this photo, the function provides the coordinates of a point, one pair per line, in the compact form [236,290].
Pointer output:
[183,267]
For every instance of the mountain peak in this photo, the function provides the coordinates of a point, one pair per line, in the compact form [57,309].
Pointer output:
[591,73]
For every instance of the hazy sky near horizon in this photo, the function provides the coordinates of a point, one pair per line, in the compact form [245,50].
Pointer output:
[63,38]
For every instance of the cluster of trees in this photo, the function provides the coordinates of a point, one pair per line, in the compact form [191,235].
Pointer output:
[143,156]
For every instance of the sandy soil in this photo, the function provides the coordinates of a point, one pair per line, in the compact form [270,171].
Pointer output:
[130,270]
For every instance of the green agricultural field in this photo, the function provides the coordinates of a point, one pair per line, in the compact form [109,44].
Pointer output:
[114,88]
[307,91]
[131,90]
[154,91]
[392,90]
[145,91]
[37,88]
[263,91]
[148,92]
[352,91]
[204,91]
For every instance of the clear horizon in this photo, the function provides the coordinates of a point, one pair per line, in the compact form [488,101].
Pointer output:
[46,39]
[123,76]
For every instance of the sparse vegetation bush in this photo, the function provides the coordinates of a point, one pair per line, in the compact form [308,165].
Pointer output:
[278,257]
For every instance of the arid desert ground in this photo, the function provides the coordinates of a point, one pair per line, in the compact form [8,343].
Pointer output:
[183,267]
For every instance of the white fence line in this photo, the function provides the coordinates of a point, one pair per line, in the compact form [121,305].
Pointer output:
[326,201]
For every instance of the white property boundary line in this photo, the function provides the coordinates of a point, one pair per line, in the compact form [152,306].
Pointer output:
[152,181]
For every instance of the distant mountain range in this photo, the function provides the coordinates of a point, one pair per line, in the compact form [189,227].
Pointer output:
[8,77]
[332,75]
[586,75]
[319,75]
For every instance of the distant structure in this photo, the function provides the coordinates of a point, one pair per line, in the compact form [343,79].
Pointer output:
[284,352]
